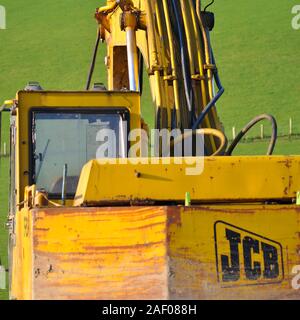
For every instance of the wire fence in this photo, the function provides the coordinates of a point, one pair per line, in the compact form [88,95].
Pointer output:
[263,134]
[5,153]
[254,139]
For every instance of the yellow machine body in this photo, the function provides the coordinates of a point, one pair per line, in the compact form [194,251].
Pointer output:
[121,239]
[147,229]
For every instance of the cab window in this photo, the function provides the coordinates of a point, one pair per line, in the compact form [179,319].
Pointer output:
[70,139]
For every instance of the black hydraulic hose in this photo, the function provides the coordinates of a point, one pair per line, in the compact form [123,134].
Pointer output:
[207,109]
[93,63]
[214,100]
[249,126]
[141,73]
[184,58]
[212,2]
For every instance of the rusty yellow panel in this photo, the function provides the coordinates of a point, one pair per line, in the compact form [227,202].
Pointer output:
[223,179]
[207,252]
[234,252]
[22,270]
[69,100]
[99,253]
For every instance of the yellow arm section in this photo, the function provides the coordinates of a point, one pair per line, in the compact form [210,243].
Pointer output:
[179,65]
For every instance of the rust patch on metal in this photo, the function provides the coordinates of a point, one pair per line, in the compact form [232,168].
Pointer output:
[133,247]
[42,229]
[215,209]
[290,182]
[173,216]
[145,226]
[287,163]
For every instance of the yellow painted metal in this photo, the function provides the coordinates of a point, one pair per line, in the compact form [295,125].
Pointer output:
[21,268]
[223,179]
[8,102]
[199,247]
[70,100]
[157,252]
[92,254]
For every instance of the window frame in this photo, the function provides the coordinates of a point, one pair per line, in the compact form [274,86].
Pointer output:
[123,111]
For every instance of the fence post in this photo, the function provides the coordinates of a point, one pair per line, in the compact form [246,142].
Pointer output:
[233,133]
[291,127]
[2,277]
[262,132]
[2,18]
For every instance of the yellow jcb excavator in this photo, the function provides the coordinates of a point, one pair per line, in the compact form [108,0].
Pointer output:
[99,212]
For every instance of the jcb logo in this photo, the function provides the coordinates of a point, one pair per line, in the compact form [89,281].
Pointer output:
[245,258]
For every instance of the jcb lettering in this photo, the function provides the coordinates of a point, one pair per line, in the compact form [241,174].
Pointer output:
[231,264]
[252,269]
[243,256]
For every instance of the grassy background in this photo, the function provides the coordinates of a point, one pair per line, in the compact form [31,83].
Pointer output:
[258,57]
[257,52]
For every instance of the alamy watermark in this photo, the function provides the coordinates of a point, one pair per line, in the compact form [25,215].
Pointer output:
[2,18]
[166,148]
[296,278]
[296,17]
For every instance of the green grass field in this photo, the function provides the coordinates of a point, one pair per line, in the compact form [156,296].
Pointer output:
[257,52]
[258,57]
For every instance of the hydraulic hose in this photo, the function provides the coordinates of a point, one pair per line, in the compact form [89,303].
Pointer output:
[154,60]
[208,108]
[93,63]
[184,58]
[251,124]
[206,131]
[214,100]
[162,71]
[177,121]
[141,73]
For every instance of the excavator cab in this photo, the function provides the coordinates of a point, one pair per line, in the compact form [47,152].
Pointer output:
[61,132]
